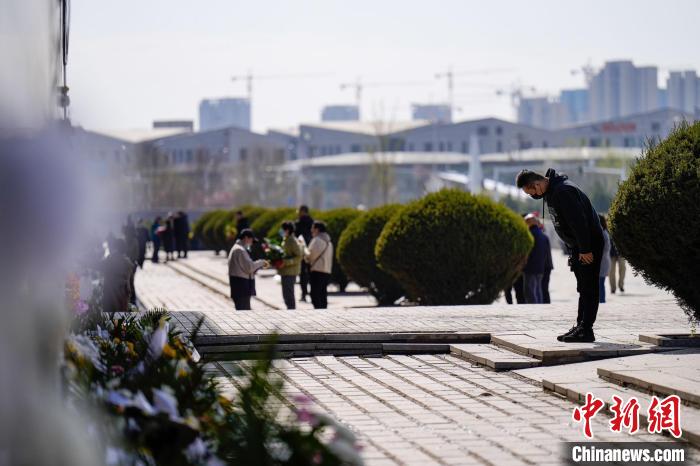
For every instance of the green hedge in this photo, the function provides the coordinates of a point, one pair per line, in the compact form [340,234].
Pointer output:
[655,217]
[336,221]
[267,224]
[198,228]
[454,248]
[356,254]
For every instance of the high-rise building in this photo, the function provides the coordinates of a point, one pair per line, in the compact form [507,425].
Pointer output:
[340,113]
[621,89]
[683,89]
[435,113]
[576,103]
[224,113]
[542,112]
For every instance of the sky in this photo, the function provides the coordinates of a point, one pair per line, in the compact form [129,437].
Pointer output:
[134,61]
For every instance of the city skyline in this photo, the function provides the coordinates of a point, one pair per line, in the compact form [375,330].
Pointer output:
[159,63]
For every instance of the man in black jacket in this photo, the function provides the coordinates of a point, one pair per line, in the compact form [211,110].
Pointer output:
[302,227]
[577,224]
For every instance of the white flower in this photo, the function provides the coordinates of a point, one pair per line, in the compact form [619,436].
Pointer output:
[158,339]
[141,402]
[118,399]
[117,456]
[165,402]
[196,450]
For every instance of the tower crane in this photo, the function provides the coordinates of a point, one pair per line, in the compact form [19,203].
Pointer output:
[450,76]
[358,85]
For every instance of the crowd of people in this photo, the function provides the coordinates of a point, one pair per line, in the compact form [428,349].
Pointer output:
[308,255]
[125,255]
[308,258]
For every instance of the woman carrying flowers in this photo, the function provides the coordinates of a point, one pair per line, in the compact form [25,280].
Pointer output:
[289,267]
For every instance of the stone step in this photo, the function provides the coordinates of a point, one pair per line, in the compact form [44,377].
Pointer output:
[546,348]
[676,374]
[492,356]
[573,381]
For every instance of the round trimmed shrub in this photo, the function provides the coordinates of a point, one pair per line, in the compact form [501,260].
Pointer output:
[655,216]
[356,254]
[266,225]
[336,221]
[221,233]
[451,247]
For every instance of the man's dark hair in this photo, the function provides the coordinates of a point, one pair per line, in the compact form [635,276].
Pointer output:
[246,233]
[303,209]
[526,177]
[240,212]
[320,226]
[288,226]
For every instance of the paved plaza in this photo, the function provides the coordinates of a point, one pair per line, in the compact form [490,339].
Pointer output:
[445,385]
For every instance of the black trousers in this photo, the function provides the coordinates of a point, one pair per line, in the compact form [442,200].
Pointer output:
[319,289]
[588,286]
[304,279]
[545,287]
[241,291]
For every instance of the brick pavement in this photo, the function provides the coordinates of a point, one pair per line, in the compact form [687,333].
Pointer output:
[438,409]
[425,408]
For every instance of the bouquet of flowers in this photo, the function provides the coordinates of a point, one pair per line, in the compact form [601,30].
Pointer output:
[274,252]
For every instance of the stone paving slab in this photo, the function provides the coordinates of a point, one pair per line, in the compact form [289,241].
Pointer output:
[493,356]
[679,339]
[544,346]
[673,374]
[439,409]
[575,380]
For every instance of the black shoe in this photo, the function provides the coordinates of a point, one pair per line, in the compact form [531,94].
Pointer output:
[612,291]
[581,335]
[571,331]
[622,290]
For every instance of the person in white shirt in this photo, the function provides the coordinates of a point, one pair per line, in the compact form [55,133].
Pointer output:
[320,259]
[242,269]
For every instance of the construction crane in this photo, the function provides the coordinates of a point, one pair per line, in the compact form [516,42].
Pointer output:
[586,70]
[250,77]
[450,76]
[358,85]
[516,93]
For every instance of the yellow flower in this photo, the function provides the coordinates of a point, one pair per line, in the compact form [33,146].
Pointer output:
[117,340]
[168,351]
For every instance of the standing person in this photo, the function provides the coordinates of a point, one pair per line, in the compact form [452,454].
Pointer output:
[577,224]
[241,221]
[605,262]
[320,260]
[155,238]
[242,269]
[291,266]
[117,270]
[168,237]
[617,264]
[302,227]
[534,268]
[132,252]
[181,231]
[548,267]
[142,236]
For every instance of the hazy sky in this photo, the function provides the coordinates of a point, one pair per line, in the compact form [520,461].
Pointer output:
[134,61]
